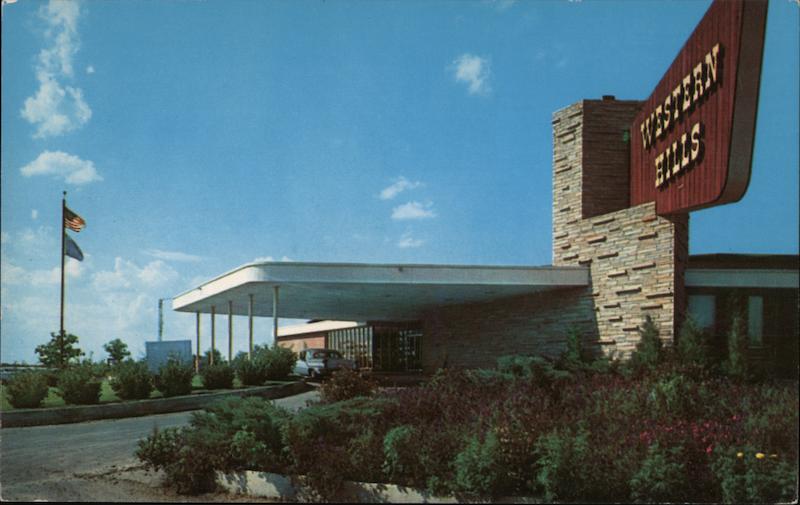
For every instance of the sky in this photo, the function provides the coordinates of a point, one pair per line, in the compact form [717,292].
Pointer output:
[197,136]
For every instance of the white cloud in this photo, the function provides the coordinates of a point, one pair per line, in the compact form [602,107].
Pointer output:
[127,275]
[401,184]
[502,5]
[270,259]
[172,255]
[474,71]
[34,214]
[407,241]
[90,69]
[60,164]
[413,210]
[57,108]
[14,274]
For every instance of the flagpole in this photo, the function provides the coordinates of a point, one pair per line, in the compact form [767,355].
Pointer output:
[63,251]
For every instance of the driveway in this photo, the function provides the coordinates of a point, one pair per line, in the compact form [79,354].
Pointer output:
[92,461]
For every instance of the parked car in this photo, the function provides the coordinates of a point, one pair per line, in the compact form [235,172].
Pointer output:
[319,363]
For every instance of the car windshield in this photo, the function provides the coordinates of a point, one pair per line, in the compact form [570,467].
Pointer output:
[327,354]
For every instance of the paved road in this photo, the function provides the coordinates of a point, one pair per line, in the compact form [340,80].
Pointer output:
[87,461]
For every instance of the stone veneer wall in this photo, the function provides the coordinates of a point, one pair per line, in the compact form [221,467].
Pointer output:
[636,258]
[474,335]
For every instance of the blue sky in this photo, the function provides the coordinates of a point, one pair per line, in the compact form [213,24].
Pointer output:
[195,136]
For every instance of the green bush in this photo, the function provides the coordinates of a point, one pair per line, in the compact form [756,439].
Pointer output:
[251,372]
[736,365]
[174,378]
[479,469]
[648,351]
[661,477]
[218,376]
[27,389]
[278,361]
[79,384]
[400,454]
[345,384]
[187,460]
[331,442]
[131,380]
[562,464]
[538,369]
[266,363]
[693,345]
[234,434]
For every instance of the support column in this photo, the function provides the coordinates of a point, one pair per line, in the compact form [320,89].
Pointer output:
[199,352]
[275,315]
[213,335]
[230,332]
[250,326]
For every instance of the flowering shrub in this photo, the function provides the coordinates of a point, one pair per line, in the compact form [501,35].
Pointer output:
[532,428]
[749,476]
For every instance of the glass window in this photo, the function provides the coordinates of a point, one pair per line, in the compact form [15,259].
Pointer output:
[755,320]
[702,309]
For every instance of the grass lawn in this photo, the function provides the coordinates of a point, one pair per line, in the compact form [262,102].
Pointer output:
[107,394]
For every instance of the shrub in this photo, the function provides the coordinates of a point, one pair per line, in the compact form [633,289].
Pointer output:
[234,434]
[693,344]
[184,457]
[79,384]
[535,368]
[251,372]
[345,384]
[561,466]
[648,350]
[399,453]
[661,477]
[747,475]
[131,380]
[332,442]
[218,376]
[479,469]
[736,363]
[278,361]
[174,378]
[27,389]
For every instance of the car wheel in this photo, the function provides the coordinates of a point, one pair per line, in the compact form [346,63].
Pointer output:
[313,374]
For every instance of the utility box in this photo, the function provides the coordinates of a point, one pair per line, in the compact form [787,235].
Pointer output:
[159,352]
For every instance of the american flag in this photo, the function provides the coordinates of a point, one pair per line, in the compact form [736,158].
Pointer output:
[73,221]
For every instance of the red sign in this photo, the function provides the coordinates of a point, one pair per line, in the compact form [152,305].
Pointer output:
[692,142]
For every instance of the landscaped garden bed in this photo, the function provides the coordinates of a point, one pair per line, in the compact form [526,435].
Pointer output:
[667,425]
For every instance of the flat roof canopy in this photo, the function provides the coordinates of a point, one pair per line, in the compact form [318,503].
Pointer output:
[362,292]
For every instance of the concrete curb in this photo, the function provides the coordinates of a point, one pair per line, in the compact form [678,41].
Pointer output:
[283,488]
[81,413]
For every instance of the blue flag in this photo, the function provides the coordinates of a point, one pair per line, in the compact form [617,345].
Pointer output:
[71,248]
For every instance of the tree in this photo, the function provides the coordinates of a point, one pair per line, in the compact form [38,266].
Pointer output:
[60,351]
[117,350]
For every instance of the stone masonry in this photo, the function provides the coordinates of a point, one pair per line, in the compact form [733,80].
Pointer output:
[474,335]
[636,258]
